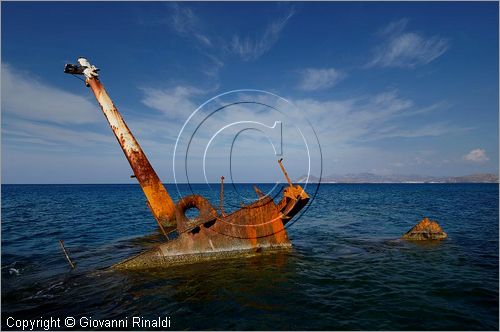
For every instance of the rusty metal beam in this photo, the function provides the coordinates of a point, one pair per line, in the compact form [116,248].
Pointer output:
[161,204]
[159,201]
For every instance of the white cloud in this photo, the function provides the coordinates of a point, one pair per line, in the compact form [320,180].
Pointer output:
[23,133]
[30,98]
[186,22]
[348,128]
[373,131]
[477,156]
[317,79]
[252,48]
[370,118]
[176,103]
[44,118]
[213,69]
[400,48]
[427,130]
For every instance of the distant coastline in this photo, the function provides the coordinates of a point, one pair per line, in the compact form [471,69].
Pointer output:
[359,178]
[375,178]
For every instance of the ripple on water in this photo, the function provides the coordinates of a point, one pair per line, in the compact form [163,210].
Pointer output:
[347,269]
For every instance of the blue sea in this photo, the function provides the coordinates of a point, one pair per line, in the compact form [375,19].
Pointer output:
[347,269]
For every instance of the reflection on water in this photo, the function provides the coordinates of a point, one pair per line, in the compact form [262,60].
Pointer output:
[347,269]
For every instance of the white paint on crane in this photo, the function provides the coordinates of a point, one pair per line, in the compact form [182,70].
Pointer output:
[116,122]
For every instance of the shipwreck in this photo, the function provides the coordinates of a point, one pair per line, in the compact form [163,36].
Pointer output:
[254,228]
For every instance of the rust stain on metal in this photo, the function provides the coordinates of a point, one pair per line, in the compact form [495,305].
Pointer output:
[425,230]
[160,202]
[255,228]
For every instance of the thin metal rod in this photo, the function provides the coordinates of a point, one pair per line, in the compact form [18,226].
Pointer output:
[158,222]
[284,172]
[222,195]
[61,242]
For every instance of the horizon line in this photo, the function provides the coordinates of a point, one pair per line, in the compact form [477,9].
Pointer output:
[250,183]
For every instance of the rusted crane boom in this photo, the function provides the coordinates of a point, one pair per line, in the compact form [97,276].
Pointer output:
[253,228]
[159,201]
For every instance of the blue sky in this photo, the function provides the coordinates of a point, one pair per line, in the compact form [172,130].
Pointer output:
[390,88]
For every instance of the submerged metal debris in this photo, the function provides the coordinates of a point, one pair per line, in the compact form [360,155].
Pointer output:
[70,262]
[425,230]
[253,228]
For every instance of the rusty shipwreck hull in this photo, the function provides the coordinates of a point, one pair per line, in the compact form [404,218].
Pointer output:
[255,228]
[252,229]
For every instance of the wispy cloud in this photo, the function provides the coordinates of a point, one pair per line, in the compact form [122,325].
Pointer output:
[187,23]
[353,127]
[318,79]
[28,97]
[176,103]
[215,67]
[364,132]
[249,48]
[401,48]
[428,130]
[54,137]
[36,114]
[372,117]
[350,126]
[477,156]
[184,21]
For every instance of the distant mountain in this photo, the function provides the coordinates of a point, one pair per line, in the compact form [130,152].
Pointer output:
[375,178]
[474,178]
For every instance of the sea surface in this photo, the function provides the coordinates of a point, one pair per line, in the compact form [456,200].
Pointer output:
[347,269]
